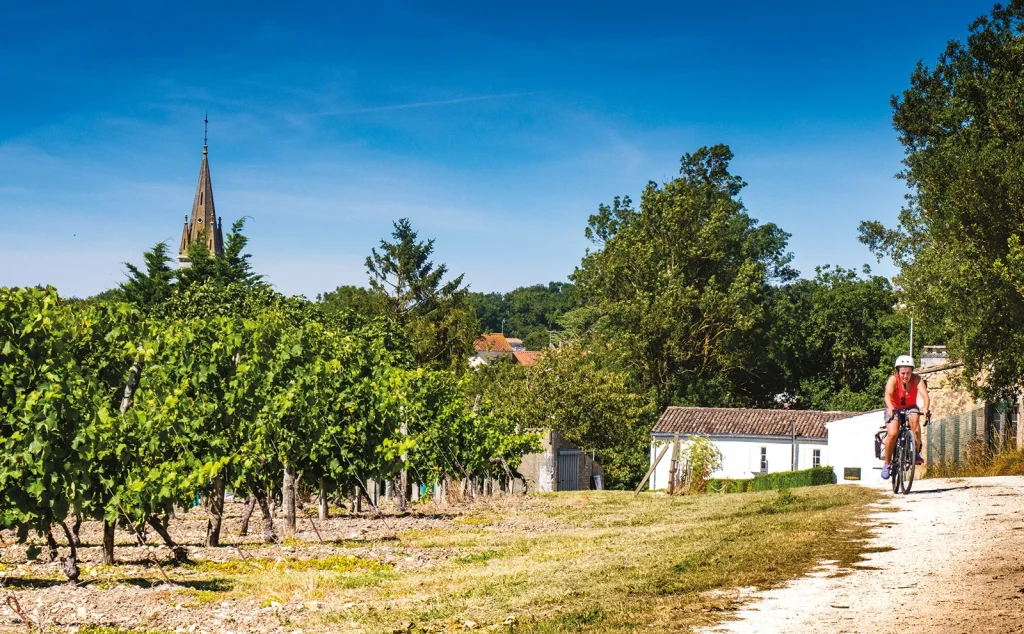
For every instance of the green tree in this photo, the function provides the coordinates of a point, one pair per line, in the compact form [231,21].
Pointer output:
[699,458]
[675,291]
[436,313]
[569,392]
[957,242]
[853,332]
[229,267]
[355,299]
[527,312]
[491,310]
[154,285]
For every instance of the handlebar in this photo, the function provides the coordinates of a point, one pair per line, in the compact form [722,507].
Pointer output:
[896,412]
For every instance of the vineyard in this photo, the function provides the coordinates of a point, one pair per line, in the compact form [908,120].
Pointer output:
[115,412]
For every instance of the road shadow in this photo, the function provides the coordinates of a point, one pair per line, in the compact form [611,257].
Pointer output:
[210,585]
[927,491]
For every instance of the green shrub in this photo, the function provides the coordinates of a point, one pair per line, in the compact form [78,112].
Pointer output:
[814,476]
[725,485]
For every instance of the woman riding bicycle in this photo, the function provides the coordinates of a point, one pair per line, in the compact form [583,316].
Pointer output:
[901,394]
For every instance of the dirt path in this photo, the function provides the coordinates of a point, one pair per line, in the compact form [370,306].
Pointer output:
[966,573]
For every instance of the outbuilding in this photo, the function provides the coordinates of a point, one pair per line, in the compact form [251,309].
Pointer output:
[851,448]
[752,441]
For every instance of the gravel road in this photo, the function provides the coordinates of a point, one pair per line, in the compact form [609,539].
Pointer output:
[956,565]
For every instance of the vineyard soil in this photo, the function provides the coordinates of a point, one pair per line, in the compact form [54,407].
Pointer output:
[594,561]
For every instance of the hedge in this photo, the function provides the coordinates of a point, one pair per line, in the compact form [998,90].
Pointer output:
[814,476]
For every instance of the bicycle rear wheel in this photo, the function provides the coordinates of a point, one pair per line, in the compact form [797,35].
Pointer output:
[909,464]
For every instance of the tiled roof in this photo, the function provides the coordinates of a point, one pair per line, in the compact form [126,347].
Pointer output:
[526,358]
[748,422]
[494,342]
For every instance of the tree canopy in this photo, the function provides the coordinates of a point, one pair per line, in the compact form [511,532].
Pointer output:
[676,289]
[957,241]
[414,293]
[527,312]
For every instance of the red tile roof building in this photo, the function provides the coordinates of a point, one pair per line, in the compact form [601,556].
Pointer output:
[493,342]
[526,358]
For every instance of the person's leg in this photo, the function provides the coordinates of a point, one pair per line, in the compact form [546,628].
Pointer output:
[914,420]
[892,426]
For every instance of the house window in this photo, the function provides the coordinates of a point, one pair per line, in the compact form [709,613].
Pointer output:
[764,460]
[816,458]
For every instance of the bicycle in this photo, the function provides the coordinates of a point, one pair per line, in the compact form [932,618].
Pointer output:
[904,455]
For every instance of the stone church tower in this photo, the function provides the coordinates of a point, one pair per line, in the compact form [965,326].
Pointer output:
[202,225]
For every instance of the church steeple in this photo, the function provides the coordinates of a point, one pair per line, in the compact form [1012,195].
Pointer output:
[202,224]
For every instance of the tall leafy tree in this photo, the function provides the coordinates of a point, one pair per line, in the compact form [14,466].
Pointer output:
[835,337]
[491,309]
[569,391]
[436,313]
[676,289]
[354,299]
[527,312]
[154,285]
[958,241]
[227,268]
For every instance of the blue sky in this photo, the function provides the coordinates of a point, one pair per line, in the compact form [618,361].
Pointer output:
[497,129]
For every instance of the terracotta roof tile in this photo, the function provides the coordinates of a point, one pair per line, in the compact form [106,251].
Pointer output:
[752,422]
[526,358]
[494,342]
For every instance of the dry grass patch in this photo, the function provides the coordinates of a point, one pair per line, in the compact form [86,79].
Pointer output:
[333,563]
[980,462]
[600,561]
[610,562]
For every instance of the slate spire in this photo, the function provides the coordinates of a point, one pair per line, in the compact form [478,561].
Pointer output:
[201,225]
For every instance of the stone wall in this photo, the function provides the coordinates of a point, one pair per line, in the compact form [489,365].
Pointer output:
[960,422]
[947,398]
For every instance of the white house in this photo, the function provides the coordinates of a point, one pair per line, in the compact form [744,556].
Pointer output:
[851,449]
[752,441]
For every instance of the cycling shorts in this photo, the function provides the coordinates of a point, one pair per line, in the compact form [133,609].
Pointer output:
[889,412]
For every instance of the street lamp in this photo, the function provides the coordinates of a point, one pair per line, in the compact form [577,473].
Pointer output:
[902,306]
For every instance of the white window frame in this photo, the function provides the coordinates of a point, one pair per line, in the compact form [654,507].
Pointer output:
[815,457]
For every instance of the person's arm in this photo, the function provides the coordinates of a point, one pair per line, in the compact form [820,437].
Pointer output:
[890,385]
[926,399]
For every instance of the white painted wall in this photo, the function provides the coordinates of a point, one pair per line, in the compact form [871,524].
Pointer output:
[741,456]
[851,444]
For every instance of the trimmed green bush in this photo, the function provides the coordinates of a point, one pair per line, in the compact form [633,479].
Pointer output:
[725,485]
[815,476]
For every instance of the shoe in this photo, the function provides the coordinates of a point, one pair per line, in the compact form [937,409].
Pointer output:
[919,459]
[885,472]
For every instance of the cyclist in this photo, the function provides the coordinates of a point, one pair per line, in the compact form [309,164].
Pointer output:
[901,394]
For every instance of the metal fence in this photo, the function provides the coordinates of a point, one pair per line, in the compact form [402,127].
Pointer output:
[960,438]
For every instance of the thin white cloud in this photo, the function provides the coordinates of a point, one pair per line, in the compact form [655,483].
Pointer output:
[420,104]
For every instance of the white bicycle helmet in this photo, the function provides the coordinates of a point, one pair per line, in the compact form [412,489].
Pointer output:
[904,360]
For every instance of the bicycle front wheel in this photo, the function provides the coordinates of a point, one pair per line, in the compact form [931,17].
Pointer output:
[909,463]
[894,465]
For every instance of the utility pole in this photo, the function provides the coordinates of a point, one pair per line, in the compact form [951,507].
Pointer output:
[403,493]
[911,337]
[792,451]
[673,469]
